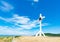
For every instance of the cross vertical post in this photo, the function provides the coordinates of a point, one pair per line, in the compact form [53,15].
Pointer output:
[40,33]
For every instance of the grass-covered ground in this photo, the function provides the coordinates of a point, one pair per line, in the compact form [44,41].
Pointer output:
[54,35]
[6,38]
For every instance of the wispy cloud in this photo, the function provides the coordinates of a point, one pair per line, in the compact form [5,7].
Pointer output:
[35,0]
[6,6]
[5,30]
[21,23]
[53,29]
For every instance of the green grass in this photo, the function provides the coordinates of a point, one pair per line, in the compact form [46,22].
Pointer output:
[54,35]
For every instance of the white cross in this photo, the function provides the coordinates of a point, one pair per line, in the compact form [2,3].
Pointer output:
[41,16]
[40,33]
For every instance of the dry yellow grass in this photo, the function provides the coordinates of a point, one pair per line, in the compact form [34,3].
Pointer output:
[5,39]
[36,39]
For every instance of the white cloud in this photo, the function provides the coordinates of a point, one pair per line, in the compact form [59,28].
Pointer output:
[53,29]
[20,23]
[23,22]
[45,24]
[20,19]
[35,0]
[28,26]
[6,6]
[5,30]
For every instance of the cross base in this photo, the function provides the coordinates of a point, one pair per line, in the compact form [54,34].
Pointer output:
[40,34]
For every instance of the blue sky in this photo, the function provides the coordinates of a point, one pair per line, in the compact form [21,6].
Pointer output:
[20,17]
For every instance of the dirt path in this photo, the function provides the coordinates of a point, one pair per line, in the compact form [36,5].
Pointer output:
[36,39]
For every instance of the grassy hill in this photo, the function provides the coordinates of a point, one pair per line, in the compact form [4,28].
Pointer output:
[54,35]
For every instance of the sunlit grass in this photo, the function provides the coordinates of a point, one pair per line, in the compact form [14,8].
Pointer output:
[6,39]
